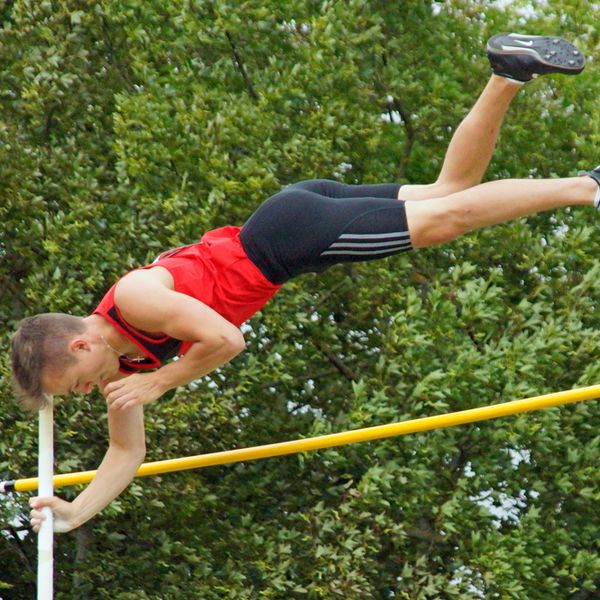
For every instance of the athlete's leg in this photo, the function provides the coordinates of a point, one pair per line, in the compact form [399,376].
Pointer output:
[472,144]
[439,220]
[514,59]
[298,230]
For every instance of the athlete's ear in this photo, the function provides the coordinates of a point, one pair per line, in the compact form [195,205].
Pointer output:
[79,344]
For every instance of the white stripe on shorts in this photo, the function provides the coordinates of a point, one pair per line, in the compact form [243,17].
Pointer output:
[365,244]
[368,251]
[373,236]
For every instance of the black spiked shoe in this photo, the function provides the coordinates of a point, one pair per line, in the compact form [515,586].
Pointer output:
[523,57]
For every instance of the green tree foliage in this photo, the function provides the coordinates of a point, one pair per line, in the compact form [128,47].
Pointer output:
[130,126]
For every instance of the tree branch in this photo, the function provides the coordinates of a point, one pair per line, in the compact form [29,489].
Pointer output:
[241,67]
[336,361]
[395,103]
[123,75]
[49,122]
[84,541]
[410,135]
[20,551]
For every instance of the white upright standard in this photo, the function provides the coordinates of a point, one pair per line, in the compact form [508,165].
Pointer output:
[45,574]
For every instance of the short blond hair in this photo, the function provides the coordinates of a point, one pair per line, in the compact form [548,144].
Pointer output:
[41,343]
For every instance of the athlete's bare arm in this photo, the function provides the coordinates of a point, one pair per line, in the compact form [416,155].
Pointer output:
[125,454]
[148,302]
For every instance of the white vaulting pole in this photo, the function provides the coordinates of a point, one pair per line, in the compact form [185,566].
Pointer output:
[45,574]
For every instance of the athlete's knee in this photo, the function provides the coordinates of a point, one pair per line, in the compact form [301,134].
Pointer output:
[428,191]
[445,187]
[435,221]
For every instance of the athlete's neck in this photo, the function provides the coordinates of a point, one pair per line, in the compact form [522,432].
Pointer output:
[101,330]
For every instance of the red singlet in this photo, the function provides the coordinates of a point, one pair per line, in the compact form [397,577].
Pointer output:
[215,271]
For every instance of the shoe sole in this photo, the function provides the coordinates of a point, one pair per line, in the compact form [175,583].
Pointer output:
[555,53]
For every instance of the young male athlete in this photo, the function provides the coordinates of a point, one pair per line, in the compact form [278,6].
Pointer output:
[191,301]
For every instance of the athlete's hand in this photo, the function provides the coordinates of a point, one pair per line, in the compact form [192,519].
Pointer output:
[139,388]
[64,514]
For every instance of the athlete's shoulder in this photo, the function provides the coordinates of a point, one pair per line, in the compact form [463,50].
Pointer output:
[140,282]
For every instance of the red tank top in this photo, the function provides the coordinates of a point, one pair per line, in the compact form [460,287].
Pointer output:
[215,271]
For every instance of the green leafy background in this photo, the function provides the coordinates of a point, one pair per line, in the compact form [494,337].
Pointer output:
[131,126]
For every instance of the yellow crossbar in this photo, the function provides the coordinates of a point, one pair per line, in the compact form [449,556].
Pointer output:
[331,440]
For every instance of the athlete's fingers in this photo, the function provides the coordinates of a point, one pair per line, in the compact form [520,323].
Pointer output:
[121,402]
[39,502]
[114,402]
[114,385]
[132,392]
[115,395]
[117,389]
[110,398]
[36,518]
[131,404]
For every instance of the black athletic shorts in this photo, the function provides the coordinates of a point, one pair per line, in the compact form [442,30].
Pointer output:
[314,224]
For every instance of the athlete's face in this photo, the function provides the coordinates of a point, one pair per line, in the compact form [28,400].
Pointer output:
[93,366]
